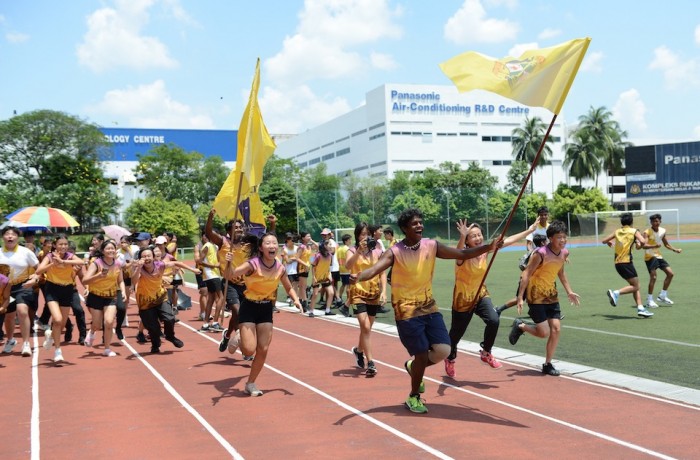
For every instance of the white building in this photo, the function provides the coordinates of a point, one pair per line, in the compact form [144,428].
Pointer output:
[405,127]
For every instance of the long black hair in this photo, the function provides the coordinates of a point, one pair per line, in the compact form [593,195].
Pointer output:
[358,231]
[100,252]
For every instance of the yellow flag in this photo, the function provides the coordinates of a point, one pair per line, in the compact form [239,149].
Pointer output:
[255,146]
[538,78]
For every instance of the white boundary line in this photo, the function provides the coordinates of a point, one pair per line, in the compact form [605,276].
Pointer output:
[512,406]
[224,443]
[35,425]
[345,406]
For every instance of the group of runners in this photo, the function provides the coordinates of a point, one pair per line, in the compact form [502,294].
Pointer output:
[240,273]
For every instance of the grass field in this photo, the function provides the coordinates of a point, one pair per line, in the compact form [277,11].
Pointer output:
[664,348]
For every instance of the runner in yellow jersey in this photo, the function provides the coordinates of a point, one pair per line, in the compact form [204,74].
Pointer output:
[623,240]
[654,260]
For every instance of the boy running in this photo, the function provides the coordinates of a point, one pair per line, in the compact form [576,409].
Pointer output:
[656,236]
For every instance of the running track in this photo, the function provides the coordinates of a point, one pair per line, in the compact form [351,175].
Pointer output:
[189,403]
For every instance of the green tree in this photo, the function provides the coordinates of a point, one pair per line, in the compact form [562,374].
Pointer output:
[278,192]
[526,141]
[167,171]
[516,176]
[156,215]
[580,158]
[605,138]
[51,159]
[212,174]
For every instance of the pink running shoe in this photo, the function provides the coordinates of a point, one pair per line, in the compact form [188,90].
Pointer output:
[487,358]
[450,367]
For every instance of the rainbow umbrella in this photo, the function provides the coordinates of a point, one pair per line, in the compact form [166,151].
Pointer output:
[39,215]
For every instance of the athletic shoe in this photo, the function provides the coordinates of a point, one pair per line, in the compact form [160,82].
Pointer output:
[407,365]
[9,345]
[200,317]
[665,300]
[515,331]
[359,358]
[109,353]
[311,314]
[371,369]
[155,350]
[383,309]
[651,304]
[81,340]
[329,313]
[205,327]
[175,341]
[58,356]
[223,343]
[252,390]
[48,341]
[38,325]
[68,336]
[613,297]
[487,358]
[216,327]
[549,369]
[26,349]
[450,367]
[233,344]
[415,404]
[644,313]
[248,358]
[141,337]
[345,311]
[275,309]
[89,339]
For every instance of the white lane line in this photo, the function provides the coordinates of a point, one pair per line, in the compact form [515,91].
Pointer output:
[224,443]
[512,406]
[35,427]
[345,406]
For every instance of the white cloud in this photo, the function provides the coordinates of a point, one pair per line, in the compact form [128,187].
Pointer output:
[697,35]
[149,106]
[630,111]
[309,109]
[16,37]
[114,39]
[678,72]
[548,33]
[470,25]
[382,61]
[520,48]
[592,62]
[176,10]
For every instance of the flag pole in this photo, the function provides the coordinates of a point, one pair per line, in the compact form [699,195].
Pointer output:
[515,205]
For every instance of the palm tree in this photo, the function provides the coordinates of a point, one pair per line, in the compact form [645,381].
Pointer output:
[605,138]
[581,159]
[526,141]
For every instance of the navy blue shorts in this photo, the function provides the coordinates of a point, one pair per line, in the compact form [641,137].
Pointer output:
[345,278]
[420,333]
[655,263]
[541,312]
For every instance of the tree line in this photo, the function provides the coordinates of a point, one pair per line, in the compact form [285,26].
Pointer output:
[53,159]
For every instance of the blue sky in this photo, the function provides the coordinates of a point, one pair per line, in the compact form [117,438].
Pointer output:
[189,63]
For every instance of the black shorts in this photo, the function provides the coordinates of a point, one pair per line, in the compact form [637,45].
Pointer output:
[213,285]
[61,294]
[345,278]
[293,278]
[542,312]
[97,302]
[22,295]
[371,310]
[303,275]
[626,270]
[127,281]
[322,284]
[200,281]
[654,264]
[255,312]
[335,276]
[234,294]
[176,282]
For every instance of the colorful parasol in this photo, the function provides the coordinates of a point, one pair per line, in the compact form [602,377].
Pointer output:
[39,215]
[25,227]
[115,232]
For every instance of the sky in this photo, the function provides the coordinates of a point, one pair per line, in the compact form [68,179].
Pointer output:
[189,64]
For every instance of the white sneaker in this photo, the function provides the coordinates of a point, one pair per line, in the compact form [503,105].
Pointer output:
[9,345]
[89,339]
[26,349]
[58,356]
[644,313]
[252,390]
[234,342]
[48,341]
[651,304]
[108,352]
[38,325]
[665,300]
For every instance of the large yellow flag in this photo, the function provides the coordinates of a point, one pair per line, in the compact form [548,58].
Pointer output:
[538,78]
[255,146]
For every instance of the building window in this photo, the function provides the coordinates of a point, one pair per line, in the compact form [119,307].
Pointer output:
[377,136]
[314,161]
[328,156]
[357,133]
[342,139]
[341,152]
[326,145]
[378,125]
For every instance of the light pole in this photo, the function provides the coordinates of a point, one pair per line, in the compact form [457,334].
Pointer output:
[486,201]
[447,198]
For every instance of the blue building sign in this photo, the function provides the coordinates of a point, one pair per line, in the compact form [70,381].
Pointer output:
[662,170]
[127,143]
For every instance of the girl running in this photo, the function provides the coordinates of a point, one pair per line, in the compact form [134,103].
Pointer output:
[304,267]
[263,273]
[365,296]
[289,257]
[322,277]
